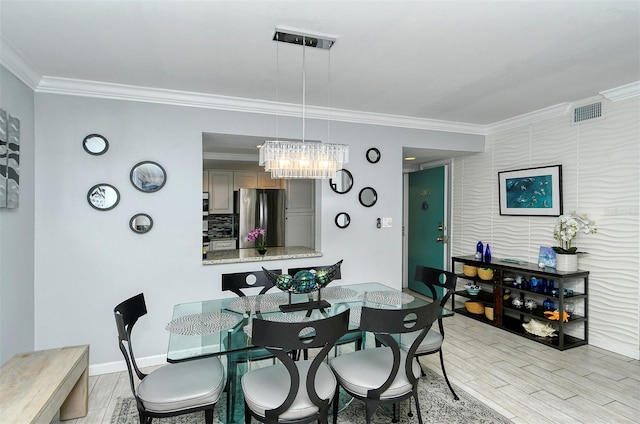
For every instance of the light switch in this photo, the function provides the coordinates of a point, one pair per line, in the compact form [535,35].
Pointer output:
[386,223]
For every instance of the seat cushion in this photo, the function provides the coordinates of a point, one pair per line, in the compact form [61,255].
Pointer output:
[184,385]
[431,343]
[364,370]
[266,388]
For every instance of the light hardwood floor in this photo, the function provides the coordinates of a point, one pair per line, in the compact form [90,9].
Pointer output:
[525,381]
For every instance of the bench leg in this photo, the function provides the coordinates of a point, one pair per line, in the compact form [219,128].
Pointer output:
[76,405]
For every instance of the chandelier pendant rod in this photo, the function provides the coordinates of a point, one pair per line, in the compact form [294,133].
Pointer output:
[304,81]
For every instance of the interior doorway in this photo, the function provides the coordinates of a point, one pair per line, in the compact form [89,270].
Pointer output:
[426,217]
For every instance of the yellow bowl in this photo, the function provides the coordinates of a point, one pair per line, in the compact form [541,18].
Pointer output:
[474,307]
[485,273]
[469,271]
[488,312]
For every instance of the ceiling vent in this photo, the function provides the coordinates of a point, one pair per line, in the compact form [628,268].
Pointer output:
[587,112]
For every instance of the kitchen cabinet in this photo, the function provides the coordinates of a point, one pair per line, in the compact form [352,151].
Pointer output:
[300,216]
[570,293]
[245,179]
[301,196]
[227,244]
[254,179]
[205,181]
[220,192]
[265,181]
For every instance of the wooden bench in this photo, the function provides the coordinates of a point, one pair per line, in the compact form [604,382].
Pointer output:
[35,385]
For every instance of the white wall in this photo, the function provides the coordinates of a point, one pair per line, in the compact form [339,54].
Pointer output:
[87,261]
[600,165]
[16,230]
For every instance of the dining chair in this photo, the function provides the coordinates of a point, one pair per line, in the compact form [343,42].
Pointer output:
[440,284]
[240,283]
[293,391]
[174,389]
[385,374]
[351,337]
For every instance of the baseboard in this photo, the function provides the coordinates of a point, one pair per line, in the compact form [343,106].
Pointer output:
[625,350]
[118,366]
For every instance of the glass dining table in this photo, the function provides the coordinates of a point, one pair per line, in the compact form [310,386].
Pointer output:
[223,326]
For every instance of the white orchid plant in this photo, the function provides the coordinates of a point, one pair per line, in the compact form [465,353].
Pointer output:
[568,228]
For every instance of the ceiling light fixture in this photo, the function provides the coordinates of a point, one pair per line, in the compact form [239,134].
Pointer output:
[303,159]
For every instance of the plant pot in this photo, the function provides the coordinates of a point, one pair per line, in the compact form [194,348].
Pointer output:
[566,262]
[262,251]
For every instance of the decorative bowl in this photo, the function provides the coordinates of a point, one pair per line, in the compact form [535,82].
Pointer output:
[474,307]
[473,290]
[469,271]
[488,312]
[485,273]
[304,281]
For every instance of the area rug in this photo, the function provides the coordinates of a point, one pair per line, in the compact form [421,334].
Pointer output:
[437,406]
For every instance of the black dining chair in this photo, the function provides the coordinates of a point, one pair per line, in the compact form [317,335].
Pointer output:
[240,283]
[174,389]
[440,284]
[385,374]
[293,391]
[351,337]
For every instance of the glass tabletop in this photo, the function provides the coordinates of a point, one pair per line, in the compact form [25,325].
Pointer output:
[223,326]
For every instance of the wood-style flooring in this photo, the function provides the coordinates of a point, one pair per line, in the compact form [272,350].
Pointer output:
[525,381]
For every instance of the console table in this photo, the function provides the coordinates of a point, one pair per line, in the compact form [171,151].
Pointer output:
[572,287]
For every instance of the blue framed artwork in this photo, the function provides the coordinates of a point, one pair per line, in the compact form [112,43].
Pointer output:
[547,256]
[531,191]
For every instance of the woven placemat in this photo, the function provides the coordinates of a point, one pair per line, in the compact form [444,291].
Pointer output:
[390,298]
[337,293]
[204,323]
[263,302]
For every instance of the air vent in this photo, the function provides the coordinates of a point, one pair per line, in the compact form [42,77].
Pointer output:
[587,112]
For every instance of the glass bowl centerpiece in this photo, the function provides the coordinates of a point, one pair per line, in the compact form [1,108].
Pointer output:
[305,282]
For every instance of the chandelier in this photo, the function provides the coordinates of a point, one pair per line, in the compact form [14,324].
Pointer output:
[303,159]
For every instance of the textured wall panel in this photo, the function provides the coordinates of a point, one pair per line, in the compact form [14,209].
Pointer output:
[600,169]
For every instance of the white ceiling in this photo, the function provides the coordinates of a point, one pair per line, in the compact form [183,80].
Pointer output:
[474,62]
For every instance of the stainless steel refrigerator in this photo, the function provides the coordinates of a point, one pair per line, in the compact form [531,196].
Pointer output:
[261,208]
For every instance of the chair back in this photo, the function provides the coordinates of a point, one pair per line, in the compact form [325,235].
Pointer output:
[384,323]
[238,281]
[126,315]
[280,338]
[439,282]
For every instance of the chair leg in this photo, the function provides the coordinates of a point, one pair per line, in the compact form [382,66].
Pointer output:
[371,408]
[208,416]
[417,407]
[143,418]
[336,401]
[444,372]
[395,413]
[247,414]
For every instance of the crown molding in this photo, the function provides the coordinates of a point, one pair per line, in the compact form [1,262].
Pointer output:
[528,118]
[11,60]
[97,89]
[623,92]
[85,88]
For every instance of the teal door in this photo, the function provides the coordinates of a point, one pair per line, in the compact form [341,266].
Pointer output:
[426,223]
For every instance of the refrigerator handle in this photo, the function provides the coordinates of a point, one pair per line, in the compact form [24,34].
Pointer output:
[262,207]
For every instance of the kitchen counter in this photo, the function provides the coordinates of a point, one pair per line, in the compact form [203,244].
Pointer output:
[252,255]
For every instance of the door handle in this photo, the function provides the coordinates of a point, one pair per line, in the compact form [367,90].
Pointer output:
[442,239]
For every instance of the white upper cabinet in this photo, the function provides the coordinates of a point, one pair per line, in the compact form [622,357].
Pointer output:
[245,179]
[220,192]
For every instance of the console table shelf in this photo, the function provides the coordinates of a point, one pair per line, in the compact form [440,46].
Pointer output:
[572,287]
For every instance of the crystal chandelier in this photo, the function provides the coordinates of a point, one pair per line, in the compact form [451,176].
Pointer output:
[303,159]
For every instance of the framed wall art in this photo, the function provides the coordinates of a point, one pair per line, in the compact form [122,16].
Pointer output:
[531,191]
